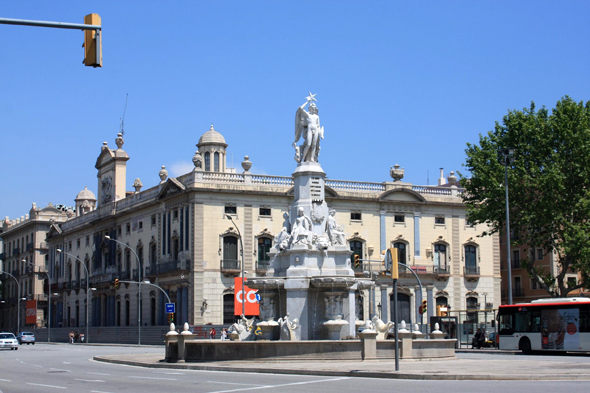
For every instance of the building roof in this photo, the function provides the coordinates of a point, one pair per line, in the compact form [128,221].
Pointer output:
[85,195]
[212,137]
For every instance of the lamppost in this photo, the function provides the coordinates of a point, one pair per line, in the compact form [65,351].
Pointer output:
[139,268]
[48,298]
[87,290]
[242,254]
[507,158]
[17,303]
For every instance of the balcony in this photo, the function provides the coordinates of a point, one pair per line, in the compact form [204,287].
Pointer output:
[41,297]
[516,292]
[471,273]
[230,267]
[262,267]
[82,283]
[16,251]
[102,279]
[16,272]
[29,246]
[2,256]
[171,267]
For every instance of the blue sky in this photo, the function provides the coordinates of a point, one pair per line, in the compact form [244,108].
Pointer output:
[396,82]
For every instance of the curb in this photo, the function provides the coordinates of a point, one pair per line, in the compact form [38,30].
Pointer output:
[351,373]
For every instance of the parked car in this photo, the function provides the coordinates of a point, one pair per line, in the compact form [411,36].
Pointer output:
[26,338]
[7,340]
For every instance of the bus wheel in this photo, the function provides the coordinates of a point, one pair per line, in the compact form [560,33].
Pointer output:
[525,346]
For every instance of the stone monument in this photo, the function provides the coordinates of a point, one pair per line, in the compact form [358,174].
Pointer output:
[310,266]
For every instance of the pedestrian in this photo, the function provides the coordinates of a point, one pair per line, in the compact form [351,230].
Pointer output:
[212,333]
[475,342]
[82,338]
[224,334]
[76,337]
[71,337]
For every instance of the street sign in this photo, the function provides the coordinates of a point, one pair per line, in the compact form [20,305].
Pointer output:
[170,307]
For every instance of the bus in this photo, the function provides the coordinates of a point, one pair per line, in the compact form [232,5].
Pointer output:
[559,324]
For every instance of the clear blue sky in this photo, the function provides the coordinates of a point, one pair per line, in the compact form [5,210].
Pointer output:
[396,82]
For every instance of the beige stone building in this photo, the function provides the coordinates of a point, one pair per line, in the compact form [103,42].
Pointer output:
[178,231]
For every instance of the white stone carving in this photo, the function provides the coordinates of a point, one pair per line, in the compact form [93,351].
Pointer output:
[163,174]
[307,125]
[335,231]
[107,186]
[301,233]
[288,328]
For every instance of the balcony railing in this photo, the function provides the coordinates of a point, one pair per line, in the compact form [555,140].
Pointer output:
[102,278]
[471,270]
[262,266]
[516,292]
[29,246]
[230,264]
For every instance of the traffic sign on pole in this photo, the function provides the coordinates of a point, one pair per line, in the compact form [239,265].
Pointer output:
[170,307]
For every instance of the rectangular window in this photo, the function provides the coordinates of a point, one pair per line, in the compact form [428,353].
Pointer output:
[87,241]
[119,231]
[356,216]
[154,220]
[539,254]
[231,209]
[439,220]
[140,225]
[571,282]
[399,218]
[534,284]
[175,214]
[264,211]
[516,259]
[78,243]
[70,245]
[128,228]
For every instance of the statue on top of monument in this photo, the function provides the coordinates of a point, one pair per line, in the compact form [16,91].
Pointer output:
[307,125]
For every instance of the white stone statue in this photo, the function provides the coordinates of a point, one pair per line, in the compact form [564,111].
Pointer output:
[288,328]
[307,125]
[283,238]
[335,231]
[301,233]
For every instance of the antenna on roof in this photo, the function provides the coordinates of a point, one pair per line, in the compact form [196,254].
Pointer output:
[122,120]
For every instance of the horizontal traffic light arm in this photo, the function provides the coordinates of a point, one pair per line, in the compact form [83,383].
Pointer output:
[57,25]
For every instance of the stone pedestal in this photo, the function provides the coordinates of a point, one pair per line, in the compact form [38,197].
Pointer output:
[369,344]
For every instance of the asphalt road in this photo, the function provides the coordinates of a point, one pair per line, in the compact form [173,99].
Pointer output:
[55,368]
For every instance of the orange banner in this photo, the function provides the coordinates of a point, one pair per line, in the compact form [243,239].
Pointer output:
[31,318]
[251,295]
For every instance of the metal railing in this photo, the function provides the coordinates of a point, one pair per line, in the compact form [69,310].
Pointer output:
[230,264]
[262,265]
[471,270]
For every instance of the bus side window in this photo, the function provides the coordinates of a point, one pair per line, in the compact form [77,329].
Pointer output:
[536,322]
[584,319]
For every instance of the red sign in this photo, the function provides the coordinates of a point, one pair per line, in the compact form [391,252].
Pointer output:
[31,312]
[250,296]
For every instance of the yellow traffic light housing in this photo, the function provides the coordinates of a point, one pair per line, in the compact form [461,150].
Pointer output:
[117,283]
[357,261]
[423,307]
[92,42]
[170,317]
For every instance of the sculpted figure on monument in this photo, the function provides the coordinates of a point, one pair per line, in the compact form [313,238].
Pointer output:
[301,233]
[307,125]
[335,231]
[283,238]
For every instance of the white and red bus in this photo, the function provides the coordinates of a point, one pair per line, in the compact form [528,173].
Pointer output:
[546,325]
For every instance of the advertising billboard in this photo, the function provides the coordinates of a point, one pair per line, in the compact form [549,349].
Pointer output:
[31,318]
[251,298]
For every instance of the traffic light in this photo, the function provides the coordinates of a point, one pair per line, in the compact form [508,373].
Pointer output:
[170,317]
[357,261]
[117,283]
[423,307]
[92,42]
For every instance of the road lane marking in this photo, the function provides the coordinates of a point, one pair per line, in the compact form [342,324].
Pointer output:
[5,380]
[172,373]
[89,380]
[47,386]
[164,379]
[235,383]
[67,363]
[34,365]
[60,369]
[88,372]
[281,385]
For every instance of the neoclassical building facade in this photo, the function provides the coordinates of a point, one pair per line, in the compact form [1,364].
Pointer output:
[176,235]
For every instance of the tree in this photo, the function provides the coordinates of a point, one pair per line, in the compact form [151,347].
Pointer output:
[549,187]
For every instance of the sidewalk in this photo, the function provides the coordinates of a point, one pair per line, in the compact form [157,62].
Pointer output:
[484,366]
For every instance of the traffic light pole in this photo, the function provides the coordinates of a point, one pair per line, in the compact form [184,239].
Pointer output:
[59,25]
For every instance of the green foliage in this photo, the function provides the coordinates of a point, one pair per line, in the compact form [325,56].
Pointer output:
[549,186]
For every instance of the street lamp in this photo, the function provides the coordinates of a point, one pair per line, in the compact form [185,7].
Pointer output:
[139,268]
[87,289]
[507,158]
[242,254]
[48,298]
[17,303]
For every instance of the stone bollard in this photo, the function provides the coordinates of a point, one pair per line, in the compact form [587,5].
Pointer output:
[183,337]
[436,334]
[369,344]
[172,344]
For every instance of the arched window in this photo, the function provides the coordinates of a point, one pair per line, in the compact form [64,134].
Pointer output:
[401,252]
[153,311]
[216,161]
[230,253]
[264,245]
[440,256]
[207,161]
[472,307]
[127,312]
[118,314]
[470,256]
[357,248]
